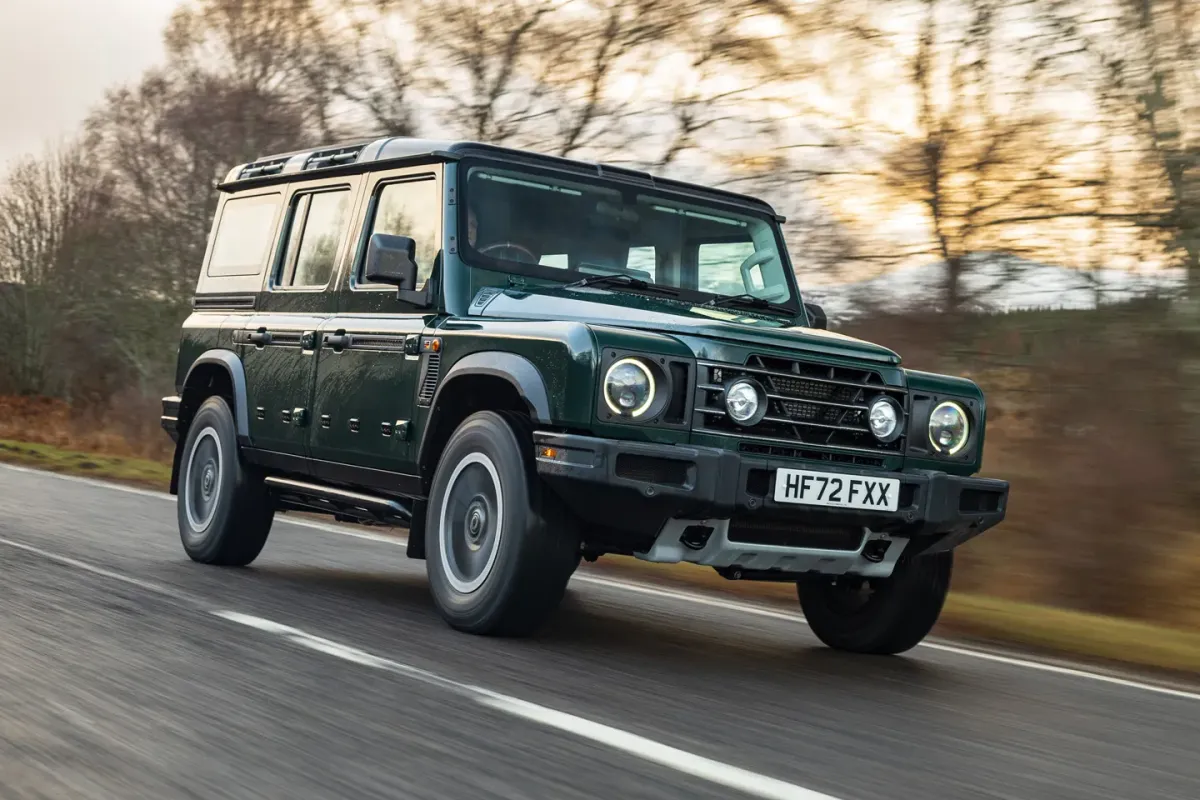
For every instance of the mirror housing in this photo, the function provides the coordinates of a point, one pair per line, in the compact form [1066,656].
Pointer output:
[816,316]
[391,260]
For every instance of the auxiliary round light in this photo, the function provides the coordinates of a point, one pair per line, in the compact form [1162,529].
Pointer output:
[884,419]
[742,401]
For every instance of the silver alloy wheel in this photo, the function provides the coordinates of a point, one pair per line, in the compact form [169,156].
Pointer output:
[202,480]
[471,523]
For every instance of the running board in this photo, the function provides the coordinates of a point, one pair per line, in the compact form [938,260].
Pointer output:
[306,496]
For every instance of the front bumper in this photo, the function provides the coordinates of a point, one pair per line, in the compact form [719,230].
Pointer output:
[647,486]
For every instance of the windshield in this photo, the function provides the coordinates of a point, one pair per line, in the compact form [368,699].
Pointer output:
[570,229]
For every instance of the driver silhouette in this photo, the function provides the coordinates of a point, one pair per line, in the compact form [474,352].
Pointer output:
[511,251]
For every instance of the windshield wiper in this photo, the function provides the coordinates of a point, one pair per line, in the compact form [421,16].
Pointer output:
[747,301]
[622,279]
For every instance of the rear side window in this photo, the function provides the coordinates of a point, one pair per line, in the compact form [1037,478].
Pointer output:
[317,222]
[244,236]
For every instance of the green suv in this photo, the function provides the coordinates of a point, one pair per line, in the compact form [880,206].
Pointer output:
[531,361]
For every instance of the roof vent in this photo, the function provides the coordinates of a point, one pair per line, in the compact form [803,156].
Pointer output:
[323,159]
[260,168]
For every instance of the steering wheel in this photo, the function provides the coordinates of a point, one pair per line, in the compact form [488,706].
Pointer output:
[528,257]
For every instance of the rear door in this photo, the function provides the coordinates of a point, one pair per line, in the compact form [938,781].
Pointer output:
[370,361]
[279,344]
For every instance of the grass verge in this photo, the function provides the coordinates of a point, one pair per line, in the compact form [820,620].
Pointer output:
[141,472]
[1053,631]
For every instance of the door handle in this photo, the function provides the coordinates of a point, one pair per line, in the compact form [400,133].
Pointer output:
[336,341]
[259,338]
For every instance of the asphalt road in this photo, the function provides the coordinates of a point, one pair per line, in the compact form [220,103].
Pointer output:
[126,671]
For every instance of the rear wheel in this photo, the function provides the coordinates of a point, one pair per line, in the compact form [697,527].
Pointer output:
[499,549]
[879,616]
[224,509]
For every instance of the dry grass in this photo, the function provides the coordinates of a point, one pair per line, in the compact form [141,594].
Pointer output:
[138,471]
[126,426]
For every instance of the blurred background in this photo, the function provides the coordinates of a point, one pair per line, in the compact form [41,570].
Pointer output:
[1004,189]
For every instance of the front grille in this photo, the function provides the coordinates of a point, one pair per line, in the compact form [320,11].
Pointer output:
[810,404]
[648,469]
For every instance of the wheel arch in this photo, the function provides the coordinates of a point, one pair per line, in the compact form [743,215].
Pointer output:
[494,381]
[214,372]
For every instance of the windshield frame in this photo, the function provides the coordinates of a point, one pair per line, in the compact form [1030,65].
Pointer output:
[617,180]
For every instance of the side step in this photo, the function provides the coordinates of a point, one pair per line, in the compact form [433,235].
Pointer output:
[342,503]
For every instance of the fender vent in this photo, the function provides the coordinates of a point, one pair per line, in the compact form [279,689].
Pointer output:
[430,372]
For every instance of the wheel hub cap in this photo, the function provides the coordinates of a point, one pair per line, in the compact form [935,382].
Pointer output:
[477,520]
[470,523]
[202,482]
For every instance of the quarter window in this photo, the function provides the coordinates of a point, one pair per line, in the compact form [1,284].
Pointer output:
[412,209]
[318,219]
[243,236]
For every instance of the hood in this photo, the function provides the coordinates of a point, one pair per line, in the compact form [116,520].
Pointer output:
[671,316]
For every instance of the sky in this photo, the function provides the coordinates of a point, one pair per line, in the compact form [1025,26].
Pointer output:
[57,58]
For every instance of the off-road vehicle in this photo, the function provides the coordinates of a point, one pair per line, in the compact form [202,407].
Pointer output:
[531,361]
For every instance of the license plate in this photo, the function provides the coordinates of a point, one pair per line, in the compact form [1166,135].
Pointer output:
[832,489]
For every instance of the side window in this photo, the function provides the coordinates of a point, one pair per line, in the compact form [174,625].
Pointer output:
[413,209]
[317,222]
[243,237]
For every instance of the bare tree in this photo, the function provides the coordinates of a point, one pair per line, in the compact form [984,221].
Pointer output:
[49,210]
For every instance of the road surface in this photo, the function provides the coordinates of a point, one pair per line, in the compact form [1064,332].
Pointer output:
[323,671]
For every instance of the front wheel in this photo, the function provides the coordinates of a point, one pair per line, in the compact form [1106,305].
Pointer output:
[499,549]
[879,616]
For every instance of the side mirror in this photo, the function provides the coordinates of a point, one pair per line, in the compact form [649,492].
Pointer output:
[816,316]
[391,260]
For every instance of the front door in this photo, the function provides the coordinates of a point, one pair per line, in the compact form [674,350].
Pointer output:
[370,359]
[279,345]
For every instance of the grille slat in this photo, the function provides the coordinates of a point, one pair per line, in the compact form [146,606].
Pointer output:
[807,403]
[429,381]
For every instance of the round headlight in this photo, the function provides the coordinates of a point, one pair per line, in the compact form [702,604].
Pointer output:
[948,428]
[629,387]
[884,419]
[742,401]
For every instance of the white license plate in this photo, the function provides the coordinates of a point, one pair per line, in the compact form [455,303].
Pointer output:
[833,489]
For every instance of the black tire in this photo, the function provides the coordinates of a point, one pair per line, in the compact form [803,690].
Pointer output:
[224,509]
[501,565]
[896,615]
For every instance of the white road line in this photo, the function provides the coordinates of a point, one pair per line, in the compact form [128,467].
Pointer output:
[690,597]
[727,775]
[101,571]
